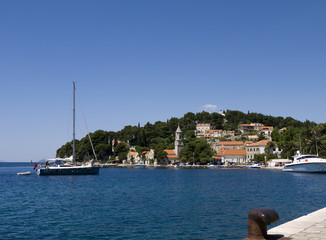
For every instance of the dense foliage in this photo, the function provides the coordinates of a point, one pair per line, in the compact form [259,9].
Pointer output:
[308,135]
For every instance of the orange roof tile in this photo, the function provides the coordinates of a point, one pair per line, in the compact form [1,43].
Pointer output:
[266,128]
[230,143]
[169,151]
[260,143]
[224,152]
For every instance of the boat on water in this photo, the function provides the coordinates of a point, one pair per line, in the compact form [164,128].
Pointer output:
[140,164]
[254,166]
[306,163]
[65,166]
[181,165]
[68,166]
[23,173]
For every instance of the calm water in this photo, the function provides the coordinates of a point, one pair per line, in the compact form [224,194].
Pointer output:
[149,204]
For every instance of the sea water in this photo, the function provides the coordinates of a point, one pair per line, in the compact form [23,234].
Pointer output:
[122,203]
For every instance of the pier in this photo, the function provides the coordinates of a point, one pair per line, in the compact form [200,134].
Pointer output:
[308,227]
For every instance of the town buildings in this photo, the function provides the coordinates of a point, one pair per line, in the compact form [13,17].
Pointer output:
[223,142]
[257,128]
[232,156]
[201,128]
[148,157]
[255,148]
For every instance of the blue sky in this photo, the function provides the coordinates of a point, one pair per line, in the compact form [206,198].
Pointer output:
[147,61]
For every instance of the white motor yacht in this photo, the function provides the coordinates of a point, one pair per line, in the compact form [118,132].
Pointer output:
[306,163]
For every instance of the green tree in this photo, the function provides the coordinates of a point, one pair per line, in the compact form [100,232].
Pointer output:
[289,142]
[261,136]
[197,149]
[275,134]
[259,157]
[159,153]
[121,150]
[316,142]
[270,147]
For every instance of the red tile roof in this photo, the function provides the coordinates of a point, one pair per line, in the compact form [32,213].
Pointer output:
[260,143]
[233,152]
[171,153]
[230,143]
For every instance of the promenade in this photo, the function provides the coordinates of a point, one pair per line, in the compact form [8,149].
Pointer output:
[308,227]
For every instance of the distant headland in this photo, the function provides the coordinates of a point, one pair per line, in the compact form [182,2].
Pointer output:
[227,137]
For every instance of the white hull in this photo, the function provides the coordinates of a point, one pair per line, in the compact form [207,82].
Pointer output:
[139,165]
[313,167]
[23,173]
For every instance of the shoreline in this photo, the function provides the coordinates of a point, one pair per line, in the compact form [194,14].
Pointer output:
[122,165]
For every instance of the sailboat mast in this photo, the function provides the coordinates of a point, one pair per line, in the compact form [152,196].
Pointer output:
[73,134]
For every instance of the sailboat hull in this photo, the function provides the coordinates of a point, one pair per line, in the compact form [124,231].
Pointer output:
[78,170]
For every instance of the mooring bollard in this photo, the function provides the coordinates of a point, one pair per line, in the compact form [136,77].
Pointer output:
[258,219]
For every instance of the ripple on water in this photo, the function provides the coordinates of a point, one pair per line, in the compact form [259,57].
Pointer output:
[150,204]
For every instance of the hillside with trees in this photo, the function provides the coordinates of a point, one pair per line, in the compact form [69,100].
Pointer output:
[307,136]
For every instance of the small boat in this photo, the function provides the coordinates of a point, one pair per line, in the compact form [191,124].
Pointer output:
[306,163]
[254,166]
[23,173]
[68,166]
[140,165]
[181,165]
[212,166]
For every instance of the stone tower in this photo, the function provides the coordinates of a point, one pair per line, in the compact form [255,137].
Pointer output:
[178,143]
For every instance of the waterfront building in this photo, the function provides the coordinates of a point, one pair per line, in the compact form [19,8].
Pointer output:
[171,157]
[232,156]
[278,163]
[133,157]
[255,148]
[229,145]
[149,156]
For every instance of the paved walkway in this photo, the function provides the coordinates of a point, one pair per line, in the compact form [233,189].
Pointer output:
[308,227]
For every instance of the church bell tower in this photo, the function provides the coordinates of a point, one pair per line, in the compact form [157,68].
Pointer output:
[178,143]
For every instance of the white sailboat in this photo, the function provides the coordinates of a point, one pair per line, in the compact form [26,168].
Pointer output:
[68,166]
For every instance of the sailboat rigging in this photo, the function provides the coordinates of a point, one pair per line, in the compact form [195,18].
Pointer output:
[61,166]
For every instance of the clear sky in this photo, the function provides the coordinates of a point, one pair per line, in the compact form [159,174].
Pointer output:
[147,61]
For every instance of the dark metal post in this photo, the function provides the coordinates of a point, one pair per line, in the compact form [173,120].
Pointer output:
[258,219]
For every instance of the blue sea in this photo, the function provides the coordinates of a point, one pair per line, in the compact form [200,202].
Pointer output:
[122,203]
